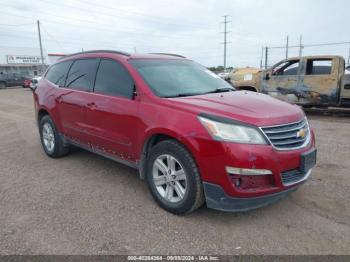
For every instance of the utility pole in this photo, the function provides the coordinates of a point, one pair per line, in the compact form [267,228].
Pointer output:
[41,49]
[266,56]
[261,57]
[349,55]
[287,46]
[225,37]
[301,46]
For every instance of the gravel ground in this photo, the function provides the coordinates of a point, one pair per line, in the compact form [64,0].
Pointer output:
[85,204]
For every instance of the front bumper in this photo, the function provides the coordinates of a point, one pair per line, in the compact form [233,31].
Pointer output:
[216,198]
[213,158]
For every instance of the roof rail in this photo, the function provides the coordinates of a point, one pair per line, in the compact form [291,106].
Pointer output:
[168,54]
[97,51]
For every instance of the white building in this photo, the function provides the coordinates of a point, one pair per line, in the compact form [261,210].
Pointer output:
[21,61]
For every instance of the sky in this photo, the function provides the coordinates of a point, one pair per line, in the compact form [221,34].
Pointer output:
[188,27]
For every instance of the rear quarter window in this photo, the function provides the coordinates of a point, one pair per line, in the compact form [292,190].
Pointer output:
[58,72]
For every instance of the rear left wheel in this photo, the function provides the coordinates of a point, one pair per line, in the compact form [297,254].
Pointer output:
[51,140]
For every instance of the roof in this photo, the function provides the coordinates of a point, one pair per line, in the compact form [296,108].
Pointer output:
[316,57]
[126,55]
[156,56]
[245,70]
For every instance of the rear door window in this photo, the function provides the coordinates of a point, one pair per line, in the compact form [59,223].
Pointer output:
[82,74]
[113,79]
[319,67]
[58,72]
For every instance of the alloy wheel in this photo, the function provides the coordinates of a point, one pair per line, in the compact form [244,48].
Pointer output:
[169,178]
[48,137]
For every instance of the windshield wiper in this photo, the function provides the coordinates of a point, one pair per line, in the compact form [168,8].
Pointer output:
[184,94]
[220,90]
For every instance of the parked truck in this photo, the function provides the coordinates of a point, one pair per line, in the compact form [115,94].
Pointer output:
[319,81]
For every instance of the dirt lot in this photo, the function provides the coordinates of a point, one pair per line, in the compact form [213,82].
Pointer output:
[85,204]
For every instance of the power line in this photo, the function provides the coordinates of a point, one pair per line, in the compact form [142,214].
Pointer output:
[16,24]
[158,18]
[54,39]
[78,41]
[110,30]
[112,15]
[311,45]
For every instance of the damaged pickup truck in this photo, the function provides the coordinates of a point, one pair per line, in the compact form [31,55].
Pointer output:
[319,81]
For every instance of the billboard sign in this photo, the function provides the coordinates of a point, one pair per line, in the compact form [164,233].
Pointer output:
[23,59]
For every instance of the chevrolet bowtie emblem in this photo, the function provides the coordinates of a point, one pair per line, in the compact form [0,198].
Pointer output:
[301,133]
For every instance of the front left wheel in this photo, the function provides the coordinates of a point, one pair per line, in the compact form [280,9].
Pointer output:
[173,178]
[51,140]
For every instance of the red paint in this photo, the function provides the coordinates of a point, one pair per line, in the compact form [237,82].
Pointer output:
[26,83]
[121,126]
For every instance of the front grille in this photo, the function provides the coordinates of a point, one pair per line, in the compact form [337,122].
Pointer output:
[292,176]
[288,136]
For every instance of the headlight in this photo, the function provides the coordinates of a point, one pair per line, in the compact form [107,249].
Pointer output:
[232,132]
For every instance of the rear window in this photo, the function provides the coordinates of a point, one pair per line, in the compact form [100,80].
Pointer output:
[82,74]
[319,67]
[57,73]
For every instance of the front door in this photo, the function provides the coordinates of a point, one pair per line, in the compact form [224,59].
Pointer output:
[283,80]
[112,113]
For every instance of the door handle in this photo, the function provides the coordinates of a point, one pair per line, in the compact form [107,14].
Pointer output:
[59,99]
[91,105]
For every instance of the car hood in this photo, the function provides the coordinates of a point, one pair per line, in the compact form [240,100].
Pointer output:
[249,107]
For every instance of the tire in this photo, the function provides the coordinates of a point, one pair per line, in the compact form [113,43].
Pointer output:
[186,176]
[51,140]
[2,85]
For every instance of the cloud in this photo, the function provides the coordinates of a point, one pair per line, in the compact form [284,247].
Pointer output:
[189,27]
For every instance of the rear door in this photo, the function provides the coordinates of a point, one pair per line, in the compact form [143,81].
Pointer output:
[283,80]
[321,81]
[74,97]
[112,113]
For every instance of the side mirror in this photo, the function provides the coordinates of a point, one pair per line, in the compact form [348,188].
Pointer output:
[348,68]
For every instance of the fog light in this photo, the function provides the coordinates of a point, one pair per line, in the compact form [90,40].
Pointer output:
[247,171]
[238,182]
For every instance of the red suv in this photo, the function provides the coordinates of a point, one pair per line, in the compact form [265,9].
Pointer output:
[192,137]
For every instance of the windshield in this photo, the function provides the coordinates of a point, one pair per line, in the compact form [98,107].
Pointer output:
[172,78]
